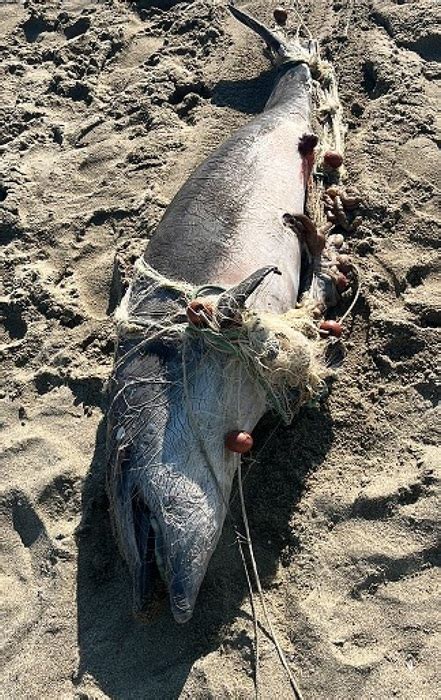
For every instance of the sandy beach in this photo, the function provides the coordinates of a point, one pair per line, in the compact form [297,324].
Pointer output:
[106,107]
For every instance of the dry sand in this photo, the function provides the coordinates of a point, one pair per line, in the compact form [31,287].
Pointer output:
[106,107]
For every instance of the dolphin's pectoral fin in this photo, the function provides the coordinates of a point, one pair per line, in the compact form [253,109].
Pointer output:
[319,276]
[149,589]
[307,232]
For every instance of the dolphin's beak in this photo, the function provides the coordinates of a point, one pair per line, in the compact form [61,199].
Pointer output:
[176,528]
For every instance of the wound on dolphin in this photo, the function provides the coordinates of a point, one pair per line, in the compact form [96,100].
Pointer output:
[307,144]
[220,324]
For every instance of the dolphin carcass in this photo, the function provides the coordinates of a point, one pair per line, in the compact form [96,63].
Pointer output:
[220,324]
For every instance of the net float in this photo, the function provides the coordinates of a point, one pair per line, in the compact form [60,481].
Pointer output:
[199,312]
[337,240]
[333,159]
[333,191]
[351,203]
[280,15]
[342,282]
[344,263]
[332,328]
[239,441]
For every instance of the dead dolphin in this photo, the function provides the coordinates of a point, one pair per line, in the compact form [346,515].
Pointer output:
[226,238]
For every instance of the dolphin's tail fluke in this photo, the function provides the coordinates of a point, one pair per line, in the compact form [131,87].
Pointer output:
[274,42]
[282,51]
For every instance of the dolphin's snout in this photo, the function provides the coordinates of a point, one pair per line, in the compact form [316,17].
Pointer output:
[170,485]
[177,521]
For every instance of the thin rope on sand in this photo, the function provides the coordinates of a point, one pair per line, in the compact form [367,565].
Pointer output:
[356,295]
[296,690]
[254,614]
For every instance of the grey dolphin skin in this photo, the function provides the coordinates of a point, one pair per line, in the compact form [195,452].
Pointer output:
[173,402]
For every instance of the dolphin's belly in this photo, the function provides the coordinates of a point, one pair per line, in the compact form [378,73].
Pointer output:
[227,219]
[261,237]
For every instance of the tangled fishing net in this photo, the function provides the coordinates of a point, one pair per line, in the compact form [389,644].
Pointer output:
[278,351]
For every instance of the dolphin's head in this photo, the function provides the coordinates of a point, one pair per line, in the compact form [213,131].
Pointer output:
[174,401]
[171,476]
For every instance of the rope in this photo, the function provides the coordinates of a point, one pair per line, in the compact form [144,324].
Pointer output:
[356,295]
[296,690]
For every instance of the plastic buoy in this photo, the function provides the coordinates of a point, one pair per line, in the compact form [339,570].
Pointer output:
[333,159]
[344,263]
[332,327]
[198,311]
[280,15]
[239,441]
[342,282]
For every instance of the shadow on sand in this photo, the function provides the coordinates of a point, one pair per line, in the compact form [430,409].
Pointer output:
[129,660]
[247,95]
